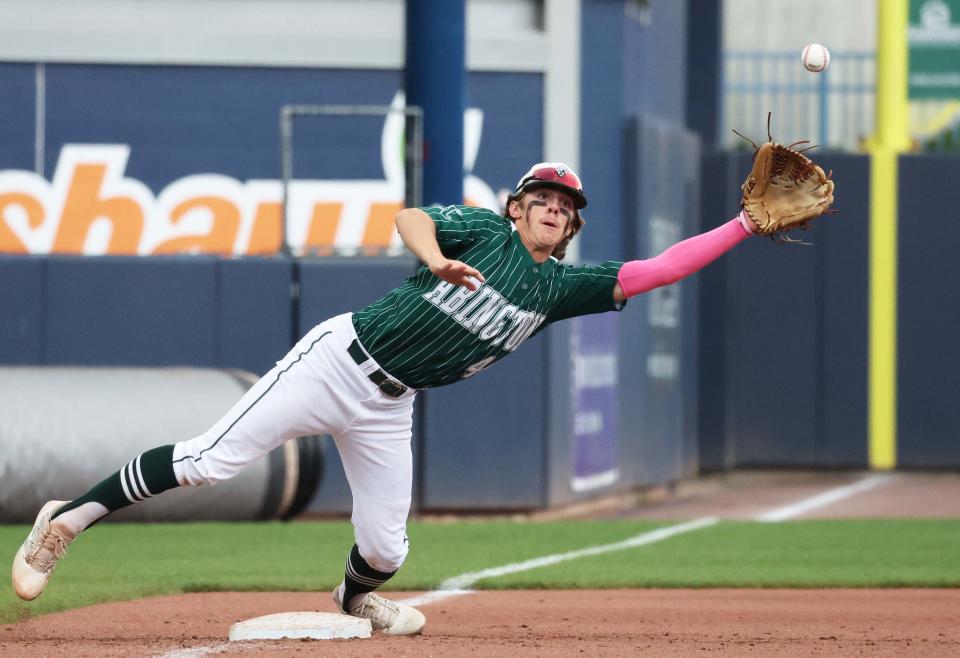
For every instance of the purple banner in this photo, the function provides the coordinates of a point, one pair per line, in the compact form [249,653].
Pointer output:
[593,353]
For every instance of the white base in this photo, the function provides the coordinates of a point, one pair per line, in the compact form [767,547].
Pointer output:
[315,625]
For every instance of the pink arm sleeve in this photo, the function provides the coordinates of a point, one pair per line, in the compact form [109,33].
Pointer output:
[682,259]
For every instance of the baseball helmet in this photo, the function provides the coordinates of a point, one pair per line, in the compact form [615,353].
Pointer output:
[556,175]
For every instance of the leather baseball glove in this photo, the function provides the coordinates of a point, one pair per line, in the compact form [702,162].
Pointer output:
[785,189]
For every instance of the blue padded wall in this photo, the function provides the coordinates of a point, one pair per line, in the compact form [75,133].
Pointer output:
[658,329]
[715,452]
[928,352]
[559,421]
[196,311]
[132,311]
[17,123]
[795,396]
[255,318]
[772,373]
[842,286]
[21,300]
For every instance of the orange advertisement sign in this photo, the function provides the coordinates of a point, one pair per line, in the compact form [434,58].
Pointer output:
[91,207]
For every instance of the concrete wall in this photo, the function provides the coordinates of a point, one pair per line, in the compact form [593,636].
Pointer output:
[785,25]
[503,34]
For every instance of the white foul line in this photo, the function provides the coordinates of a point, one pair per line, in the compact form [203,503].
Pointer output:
[822,500]
[459,585]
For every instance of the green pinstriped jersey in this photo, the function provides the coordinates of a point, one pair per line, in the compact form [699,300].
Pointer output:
[428,332]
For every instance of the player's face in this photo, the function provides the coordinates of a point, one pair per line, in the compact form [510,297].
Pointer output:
[543,217]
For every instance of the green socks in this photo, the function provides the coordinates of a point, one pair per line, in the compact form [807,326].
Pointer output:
[145,476]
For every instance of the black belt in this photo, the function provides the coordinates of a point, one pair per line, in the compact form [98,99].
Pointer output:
[389,386]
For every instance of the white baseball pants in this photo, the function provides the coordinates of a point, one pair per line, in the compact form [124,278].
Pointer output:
[317,388]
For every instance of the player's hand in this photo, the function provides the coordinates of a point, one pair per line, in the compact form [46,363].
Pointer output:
[457,273]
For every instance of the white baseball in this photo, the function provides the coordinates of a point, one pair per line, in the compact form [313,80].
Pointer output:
[815,58]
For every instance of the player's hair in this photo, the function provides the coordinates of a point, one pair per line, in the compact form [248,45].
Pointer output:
[576,224]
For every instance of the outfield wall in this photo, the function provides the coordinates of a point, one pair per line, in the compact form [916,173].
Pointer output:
[770,345]
[784,328]
[928,353]
[784,332]
[759,360]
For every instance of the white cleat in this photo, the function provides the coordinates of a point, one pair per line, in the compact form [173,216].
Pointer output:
[388,616]
[39,553]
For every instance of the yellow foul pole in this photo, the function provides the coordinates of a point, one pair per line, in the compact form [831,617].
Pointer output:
[891,139]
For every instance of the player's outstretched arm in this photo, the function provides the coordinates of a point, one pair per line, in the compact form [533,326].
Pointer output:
[419,234]
[682,259]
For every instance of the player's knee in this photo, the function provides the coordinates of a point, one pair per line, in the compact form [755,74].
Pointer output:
[195,468]
[190,474]
[387,561]
[384,553]
[193,478]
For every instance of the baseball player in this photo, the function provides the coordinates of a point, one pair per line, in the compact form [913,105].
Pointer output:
[489,282]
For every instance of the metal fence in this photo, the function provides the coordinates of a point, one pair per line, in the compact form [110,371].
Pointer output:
[834,108]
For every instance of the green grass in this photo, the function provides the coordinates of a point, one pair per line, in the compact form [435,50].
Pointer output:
[126,561]
[862,553]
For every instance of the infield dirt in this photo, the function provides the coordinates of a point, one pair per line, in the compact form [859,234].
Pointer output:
[529,623]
